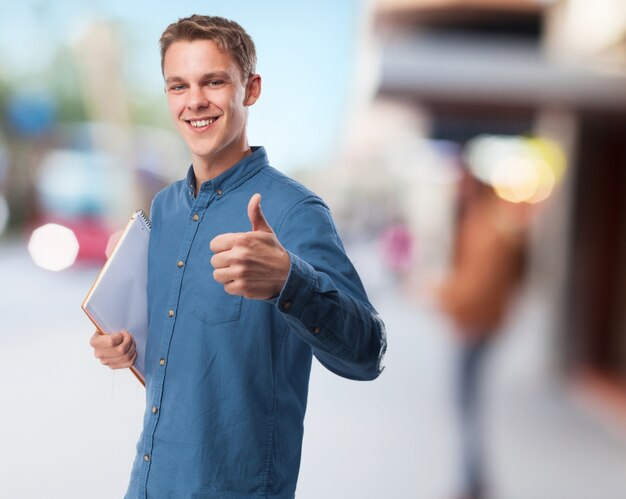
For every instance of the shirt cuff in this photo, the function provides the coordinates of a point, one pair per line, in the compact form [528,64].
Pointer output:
[299,288]
[299,301]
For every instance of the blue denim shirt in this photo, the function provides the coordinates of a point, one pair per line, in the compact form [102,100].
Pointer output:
[227,377]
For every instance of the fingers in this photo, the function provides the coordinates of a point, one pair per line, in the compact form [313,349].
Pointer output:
[240,240]
[223,242]
[222,275]
[240,250]
[220,260]
[100,340]
[255,214]
[116,350]
[124,364]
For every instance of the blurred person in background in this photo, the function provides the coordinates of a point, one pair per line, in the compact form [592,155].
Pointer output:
[487,269]
[239,298]
[396,246]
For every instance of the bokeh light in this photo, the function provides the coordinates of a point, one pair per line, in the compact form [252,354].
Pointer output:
[520,169]
[53,247]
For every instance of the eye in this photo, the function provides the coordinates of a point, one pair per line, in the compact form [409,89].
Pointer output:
[177,88]
[215,83]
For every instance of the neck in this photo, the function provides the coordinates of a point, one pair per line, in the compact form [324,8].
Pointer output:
[205,170]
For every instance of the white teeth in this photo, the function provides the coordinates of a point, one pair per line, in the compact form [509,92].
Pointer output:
[202,123]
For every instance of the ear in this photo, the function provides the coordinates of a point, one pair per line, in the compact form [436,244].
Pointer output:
[253,90]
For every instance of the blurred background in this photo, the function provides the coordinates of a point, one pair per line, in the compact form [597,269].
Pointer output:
[473,153]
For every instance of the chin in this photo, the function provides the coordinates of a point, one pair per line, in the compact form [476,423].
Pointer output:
[201,150]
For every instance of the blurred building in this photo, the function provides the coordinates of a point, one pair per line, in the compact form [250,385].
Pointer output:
[450,70]
[76,153]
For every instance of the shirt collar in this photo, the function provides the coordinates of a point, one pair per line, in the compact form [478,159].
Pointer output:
[235,175]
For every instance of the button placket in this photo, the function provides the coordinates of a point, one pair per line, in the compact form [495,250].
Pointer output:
[197,209]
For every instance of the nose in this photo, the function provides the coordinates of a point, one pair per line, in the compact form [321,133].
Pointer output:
[196,99]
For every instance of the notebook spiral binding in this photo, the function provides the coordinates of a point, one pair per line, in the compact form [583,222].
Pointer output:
[144,217]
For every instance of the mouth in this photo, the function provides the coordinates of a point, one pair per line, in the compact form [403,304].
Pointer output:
[202,123]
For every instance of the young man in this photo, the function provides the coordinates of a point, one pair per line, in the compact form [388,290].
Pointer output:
[239,298]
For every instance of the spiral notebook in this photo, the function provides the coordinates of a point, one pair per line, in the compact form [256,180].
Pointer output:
[118,298]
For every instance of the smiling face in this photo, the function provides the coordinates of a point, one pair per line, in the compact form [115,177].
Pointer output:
[208,102]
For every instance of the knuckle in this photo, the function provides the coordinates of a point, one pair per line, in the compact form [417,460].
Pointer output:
[121,349]
[242,255]
[242,272]
[243,240]
[237,271]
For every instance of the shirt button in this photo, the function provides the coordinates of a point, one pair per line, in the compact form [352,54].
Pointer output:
[195,217]
[316,330]
[146,457]
[161,362]
[155,409]
[170,313]
[219,192]
[180,263]
[286,305]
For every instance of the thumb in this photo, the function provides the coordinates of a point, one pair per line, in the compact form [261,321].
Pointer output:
[256,215]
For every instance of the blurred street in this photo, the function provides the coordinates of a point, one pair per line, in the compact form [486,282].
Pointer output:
[68,425]
[473,155]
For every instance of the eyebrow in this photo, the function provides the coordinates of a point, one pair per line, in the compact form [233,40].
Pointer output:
[206,76]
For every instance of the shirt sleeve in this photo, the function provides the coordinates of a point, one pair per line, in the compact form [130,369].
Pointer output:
[323,299]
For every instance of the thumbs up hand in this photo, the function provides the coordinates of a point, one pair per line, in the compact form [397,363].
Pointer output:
[251,264]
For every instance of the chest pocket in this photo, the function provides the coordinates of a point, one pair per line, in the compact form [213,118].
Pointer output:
[210,303]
